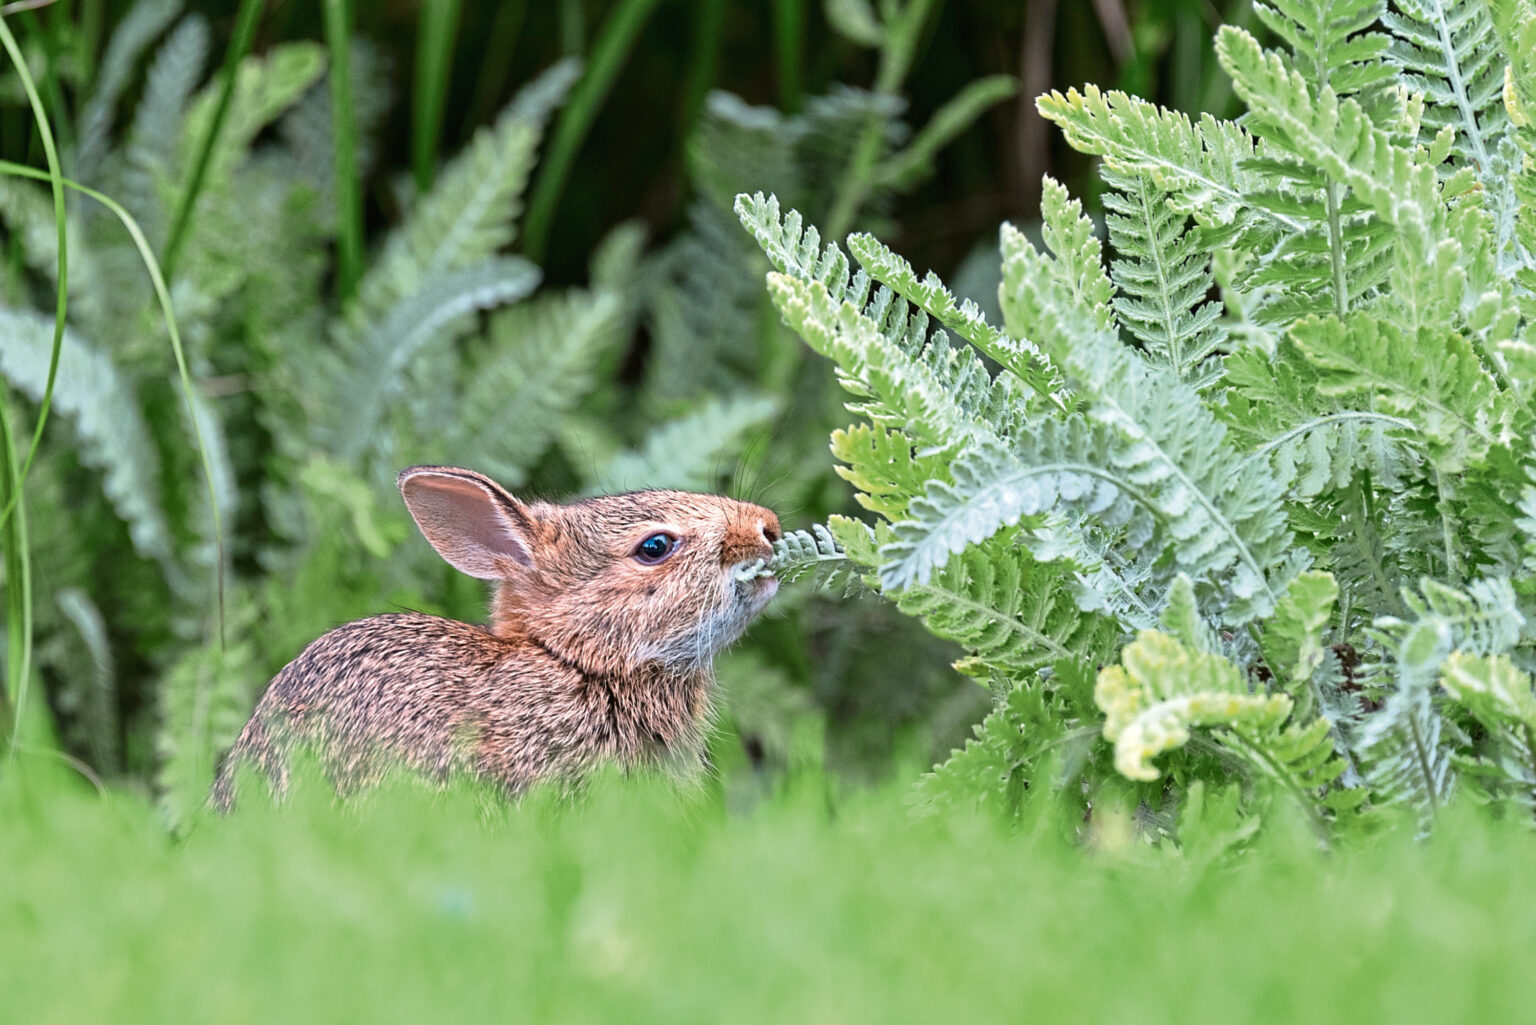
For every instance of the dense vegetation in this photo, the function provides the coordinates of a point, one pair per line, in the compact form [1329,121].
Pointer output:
[1220,485]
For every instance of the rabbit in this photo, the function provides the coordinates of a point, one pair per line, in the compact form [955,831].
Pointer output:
[606,617]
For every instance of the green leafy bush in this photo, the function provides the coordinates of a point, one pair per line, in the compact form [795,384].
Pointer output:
[1276,451]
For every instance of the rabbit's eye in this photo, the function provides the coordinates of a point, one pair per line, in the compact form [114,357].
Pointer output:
[655,548]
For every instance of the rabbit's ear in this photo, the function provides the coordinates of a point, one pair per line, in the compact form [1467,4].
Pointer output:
[470,519]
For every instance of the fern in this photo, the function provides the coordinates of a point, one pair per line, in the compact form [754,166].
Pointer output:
[472,211]
[538,359]
[1162,279]
[815,555]
[95,395]
[692,453]
[204,700]
[374,365]
[1161,690]
[1009,611]
[1499,696]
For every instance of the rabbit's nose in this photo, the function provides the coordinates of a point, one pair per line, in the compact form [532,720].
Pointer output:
[769,528]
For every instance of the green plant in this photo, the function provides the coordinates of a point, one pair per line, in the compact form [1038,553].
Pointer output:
[1308,499]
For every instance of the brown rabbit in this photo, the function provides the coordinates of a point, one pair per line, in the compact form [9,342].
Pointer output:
[606,619]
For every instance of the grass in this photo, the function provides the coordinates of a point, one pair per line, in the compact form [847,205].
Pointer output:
[638,905]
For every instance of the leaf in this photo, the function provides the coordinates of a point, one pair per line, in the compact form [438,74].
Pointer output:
[99,399]
[360,388]
[691,453]
[472,210]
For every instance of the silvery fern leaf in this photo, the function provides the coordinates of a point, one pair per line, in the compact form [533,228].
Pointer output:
[141,25]
[537,361]
[1450,52]
[691,453]
[1499,696]
[899,374]
[364,375]
[471,212]
[109,423]
[1220,518]
[1005,608]
[1162,278]
[816,557]
[1329,40]
[1409,744]
[151,151]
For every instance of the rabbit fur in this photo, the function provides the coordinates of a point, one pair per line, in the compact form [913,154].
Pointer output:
[592,655]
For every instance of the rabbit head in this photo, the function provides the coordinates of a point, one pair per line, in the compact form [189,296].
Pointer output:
[614,584]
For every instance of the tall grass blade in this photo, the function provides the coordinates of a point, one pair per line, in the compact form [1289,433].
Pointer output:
[434,58]
[61,304]
[168,312]
[608,55]
[181,220]
[349,202]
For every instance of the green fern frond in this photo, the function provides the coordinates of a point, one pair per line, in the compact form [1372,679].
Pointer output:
[1203,165]
[885,467]
[266,85]
[1162,278]
[1316,442]
[1450,52]
[368,372]
[88,696]
[113,437]
[537,362]
[1409,744]
[169,84]
[1161,690]
[1292,641]
[692,453]
[1011,752]
[141,25]
[816,556]
[204,699]
[1329,40]
[1433,379]
[1018,356]
[994,599]
[1499,696]
[472,210]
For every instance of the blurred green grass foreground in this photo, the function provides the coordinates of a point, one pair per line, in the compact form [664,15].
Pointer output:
[635,904]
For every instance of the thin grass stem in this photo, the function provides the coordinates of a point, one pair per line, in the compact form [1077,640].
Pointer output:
[168,312]
[349,200]
[434,59]
[608,55]
[181,220]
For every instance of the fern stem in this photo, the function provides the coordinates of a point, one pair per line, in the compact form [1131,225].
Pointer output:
[607,58]
[1458,85]
[1323,421]
[168,312]
[1278,772]
[896,54]
[349,205]
[1336,250]
[1443,508]
[434,58]
[1421,755]
[55,179]
[181,220]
